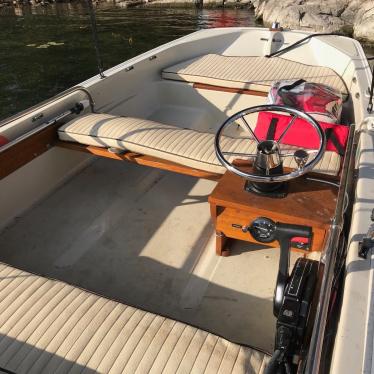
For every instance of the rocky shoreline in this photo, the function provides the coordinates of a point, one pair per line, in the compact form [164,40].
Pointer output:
[349,17]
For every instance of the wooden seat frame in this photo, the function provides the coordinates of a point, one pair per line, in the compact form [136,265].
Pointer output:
[25,150]
[22,152]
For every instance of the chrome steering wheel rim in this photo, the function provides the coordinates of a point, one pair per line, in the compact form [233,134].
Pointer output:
[271,108]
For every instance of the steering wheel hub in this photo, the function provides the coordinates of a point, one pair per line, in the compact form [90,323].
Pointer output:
[268,155]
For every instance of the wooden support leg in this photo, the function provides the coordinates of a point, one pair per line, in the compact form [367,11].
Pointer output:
[221,244]
[221,239]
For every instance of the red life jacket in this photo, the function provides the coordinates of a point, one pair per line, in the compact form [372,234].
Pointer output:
[302,134]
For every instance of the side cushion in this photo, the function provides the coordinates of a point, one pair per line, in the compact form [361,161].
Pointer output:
[183,146]
[47,326]
[250,72]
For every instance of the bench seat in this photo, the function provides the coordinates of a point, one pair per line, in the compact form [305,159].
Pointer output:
[183,146]
[250,72]
[48,326]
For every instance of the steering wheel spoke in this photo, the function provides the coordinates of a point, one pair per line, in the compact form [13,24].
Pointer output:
[286,129]
[248,155]
[249,128]
[309,151]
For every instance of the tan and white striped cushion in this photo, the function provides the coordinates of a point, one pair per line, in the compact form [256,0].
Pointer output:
[48,326]
[256,73]
[183,146]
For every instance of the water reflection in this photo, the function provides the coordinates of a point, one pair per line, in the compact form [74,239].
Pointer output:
[46,49]
[209,18]
[18,11]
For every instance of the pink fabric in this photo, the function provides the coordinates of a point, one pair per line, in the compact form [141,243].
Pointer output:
[3,140]
[320,101]
[301,133]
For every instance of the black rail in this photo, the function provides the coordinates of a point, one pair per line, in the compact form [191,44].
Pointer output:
[286,49]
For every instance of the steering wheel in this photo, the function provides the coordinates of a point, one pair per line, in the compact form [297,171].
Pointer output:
[268,151]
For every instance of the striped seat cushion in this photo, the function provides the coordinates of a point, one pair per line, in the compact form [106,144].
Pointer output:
[48,326]
[183,146]
[255,73]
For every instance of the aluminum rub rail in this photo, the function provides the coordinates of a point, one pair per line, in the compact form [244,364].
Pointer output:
[329,258]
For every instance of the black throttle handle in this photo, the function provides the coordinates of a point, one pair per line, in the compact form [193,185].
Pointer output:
[292,231]
[284,234]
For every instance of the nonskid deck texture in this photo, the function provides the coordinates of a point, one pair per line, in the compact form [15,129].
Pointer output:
[144,237]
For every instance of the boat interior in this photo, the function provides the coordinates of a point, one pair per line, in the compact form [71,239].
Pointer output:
[107,200]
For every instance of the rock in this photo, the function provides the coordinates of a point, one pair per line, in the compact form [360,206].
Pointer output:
[350,11]
[364,22]
[349,17]
[288,16]
[322,22]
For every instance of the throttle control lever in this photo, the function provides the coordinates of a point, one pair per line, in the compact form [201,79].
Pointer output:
[265,230]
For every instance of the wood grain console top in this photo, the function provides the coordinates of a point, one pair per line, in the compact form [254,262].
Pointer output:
[307,203]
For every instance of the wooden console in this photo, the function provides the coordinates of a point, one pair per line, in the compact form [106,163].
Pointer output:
[310,203]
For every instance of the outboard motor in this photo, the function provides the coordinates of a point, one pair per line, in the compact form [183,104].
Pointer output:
[293,316]
[293,293]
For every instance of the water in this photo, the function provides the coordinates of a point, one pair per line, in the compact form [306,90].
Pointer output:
[44,50]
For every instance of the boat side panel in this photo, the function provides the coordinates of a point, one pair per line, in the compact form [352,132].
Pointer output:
[353,351]
[29,184]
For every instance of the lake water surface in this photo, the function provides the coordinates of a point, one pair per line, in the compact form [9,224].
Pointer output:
[47,49]
[44,50]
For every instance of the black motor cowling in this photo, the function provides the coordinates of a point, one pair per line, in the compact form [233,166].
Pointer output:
[293,317]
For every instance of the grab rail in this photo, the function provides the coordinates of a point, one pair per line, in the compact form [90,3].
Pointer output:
[50,101]
[77,109]
[293,45]
[329,258]
[79,106]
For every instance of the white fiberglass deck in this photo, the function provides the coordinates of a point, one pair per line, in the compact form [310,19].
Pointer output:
[144,237]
